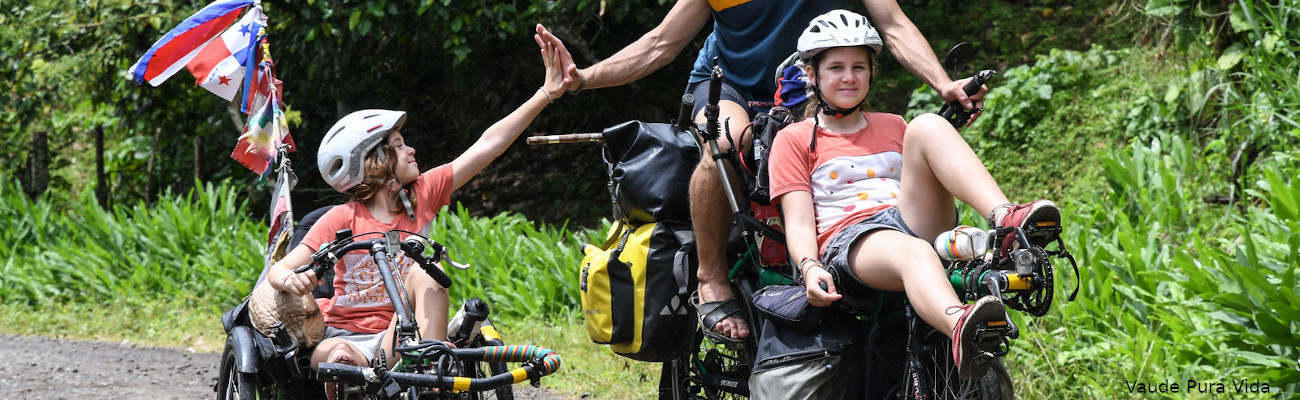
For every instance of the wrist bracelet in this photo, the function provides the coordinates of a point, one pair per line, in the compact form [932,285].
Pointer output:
[582,83]
[803,271]
[548,96]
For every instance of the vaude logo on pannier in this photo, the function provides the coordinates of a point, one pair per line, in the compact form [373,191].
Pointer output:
[674,306]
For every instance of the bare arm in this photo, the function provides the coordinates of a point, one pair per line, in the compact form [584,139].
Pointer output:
[801,242]
[909,46]
[648,54]
[281,276]
[498,137]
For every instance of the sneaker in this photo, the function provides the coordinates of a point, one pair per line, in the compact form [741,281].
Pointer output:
[1036,219]
[964,351]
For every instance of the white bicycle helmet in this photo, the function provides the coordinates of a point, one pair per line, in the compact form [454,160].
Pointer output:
[837,28]
[342,153]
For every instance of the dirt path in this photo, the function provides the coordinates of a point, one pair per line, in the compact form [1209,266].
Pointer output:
[46,368]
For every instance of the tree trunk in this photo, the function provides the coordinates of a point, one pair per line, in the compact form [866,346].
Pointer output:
[101,181]
[148,171]
[198,160]
[38,178]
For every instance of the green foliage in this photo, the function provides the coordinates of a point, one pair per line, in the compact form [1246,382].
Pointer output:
[1164,296]
[201,245]
[518,268]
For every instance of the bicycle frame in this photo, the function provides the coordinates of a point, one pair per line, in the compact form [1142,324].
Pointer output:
[421,364]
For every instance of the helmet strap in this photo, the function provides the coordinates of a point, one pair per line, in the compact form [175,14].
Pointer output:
[823,106]
[406,203]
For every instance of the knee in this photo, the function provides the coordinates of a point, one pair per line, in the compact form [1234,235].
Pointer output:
[920,251]
[419,281]
[336,351]
[926,125]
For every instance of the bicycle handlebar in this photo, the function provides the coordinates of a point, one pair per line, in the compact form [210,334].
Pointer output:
[413,247]
[957,114]
[537,362]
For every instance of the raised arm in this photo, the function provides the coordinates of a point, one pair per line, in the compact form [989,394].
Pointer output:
[498,137]
[652,51]
[910,48]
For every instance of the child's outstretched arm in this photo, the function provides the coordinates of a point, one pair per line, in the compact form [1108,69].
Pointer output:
[498,137]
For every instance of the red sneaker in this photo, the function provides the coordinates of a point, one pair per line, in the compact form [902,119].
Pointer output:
[964,352]
[1034,218]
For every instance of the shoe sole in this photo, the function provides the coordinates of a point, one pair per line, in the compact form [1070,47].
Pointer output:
[1044,221]
[986,309]
[1041,226]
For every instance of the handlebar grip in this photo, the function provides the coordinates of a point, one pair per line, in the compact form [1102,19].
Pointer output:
[335,372]
[978,80]
[415,250]
[684,119]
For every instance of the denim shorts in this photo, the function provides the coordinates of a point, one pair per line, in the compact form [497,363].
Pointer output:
[367,343]
[837,250]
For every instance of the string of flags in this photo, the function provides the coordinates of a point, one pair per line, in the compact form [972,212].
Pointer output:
[224,46]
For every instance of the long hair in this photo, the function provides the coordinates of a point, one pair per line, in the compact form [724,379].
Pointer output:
[814,98]
[379,170]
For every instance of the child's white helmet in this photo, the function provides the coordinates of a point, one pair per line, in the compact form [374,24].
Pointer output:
[837,28]
[342,153]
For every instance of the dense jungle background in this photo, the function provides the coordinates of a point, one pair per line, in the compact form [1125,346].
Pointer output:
[1166,129]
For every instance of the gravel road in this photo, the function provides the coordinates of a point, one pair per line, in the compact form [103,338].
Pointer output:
[47,368]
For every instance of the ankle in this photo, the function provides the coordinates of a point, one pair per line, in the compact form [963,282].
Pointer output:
[1000,211]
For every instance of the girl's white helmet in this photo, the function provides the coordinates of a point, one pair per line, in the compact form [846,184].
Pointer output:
[837,28]
[342,154]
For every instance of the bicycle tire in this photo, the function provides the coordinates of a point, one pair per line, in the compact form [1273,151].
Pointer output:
[714,370]
[232,384]
[937,369]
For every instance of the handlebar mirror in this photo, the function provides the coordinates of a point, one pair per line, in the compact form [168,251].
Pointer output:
[958,56]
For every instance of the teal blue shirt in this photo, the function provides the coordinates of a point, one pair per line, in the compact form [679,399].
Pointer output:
[751,37]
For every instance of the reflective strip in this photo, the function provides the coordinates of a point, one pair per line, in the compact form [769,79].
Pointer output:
[460,384]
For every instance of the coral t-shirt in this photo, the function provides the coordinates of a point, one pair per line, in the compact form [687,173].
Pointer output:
[360,302]
[851,176]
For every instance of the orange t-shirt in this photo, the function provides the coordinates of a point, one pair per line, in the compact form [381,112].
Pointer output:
[851,176]
[360,302]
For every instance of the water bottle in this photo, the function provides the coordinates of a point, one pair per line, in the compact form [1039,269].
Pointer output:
[465,325]
[962,244]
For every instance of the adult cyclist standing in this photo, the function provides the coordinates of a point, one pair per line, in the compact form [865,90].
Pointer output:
[749,38]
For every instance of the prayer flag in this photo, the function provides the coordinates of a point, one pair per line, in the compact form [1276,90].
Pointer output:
[265,131]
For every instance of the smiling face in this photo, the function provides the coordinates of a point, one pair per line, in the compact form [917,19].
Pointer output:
[843,74]
[405,168]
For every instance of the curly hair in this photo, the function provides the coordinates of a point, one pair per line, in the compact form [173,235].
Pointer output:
[379,170]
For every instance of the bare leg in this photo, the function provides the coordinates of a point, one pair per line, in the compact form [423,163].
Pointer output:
[937,165]
[894,261]
[429,304]
[335,350]
[712,220]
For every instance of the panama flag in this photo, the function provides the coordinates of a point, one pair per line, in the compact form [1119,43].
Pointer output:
[183,42]
[219,66]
